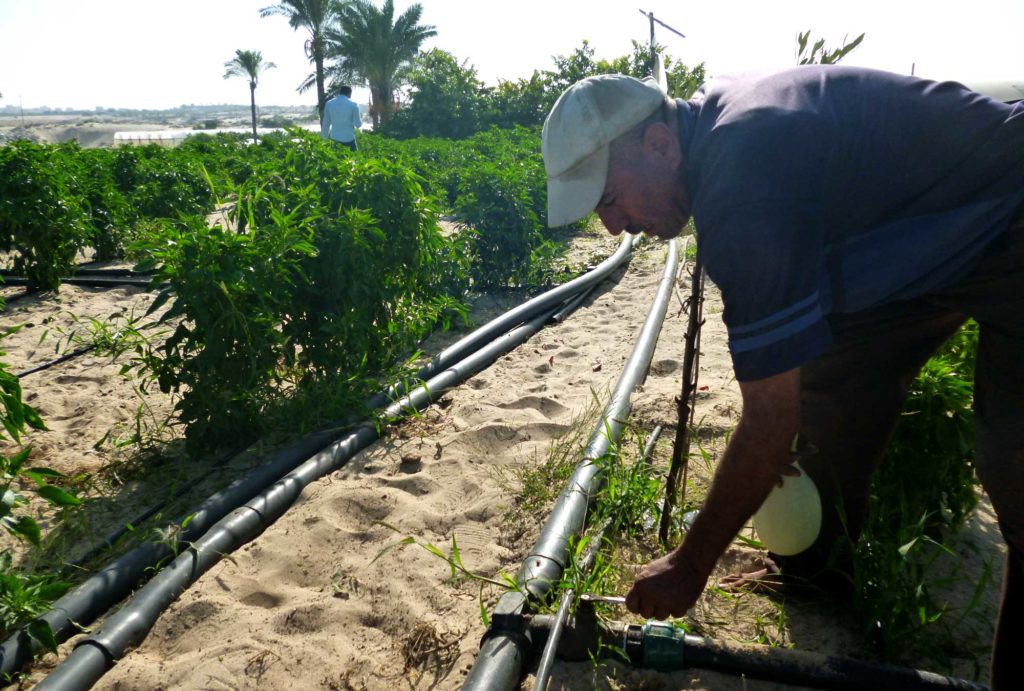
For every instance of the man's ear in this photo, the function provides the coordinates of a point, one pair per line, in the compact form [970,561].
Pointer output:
[660,143]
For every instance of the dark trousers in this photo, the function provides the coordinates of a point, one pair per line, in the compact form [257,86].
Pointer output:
[852,396]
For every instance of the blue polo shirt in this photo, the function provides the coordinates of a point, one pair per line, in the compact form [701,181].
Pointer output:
[829,189]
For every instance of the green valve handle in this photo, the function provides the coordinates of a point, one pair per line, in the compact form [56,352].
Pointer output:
[655,645]
[663,646]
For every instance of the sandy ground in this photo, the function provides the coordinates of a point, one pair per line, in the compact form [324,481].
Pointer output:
[312,603]
[309,605]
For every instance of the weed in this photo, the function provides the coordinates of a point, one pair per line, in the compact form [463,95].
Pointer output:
[923,492]
[459,571]
[24,595]
[425,646]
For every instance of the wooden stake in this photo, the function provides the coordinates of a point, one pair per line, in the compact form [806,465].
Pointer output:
[684,405]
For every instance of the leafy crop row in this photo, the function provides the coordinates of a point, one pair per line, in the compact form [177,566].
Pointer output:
[333,268]
[58,200]
[494,184]
[336,268]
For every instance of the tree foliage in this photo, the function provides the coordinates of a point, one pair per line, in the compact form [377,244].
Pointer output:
[682,80]
[315,16]
[248,64]
[371,46]
[447,99]
[819,54]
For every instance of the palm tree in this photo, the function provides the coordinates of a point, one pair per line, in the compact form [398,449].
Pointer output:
[316,16]
[249,64]
[370,46]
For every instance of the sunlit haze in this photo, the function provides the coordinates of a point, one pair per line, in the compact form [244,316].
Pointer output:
[144,54]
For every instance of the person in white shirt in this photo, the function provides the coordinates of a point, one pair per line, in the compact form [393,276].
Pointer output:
[341,119]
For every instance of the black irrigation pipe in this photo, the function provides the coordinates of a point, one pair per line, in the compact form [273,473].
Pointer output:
[134,523]
[93,281]
[73,354]
[527,310]
[82,271]
[503,650]
[56,361]
[95,654]
[110,585]
[447,356]
[656,645]
[122,273]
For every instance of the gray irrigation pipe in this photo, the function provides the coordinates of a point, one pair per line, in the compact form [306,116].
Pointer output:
[503,650]
[547,658]
[110,585]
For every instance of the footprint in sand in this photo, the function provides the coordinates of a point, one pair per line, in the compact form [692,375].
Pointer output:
[79,381]
[415,485]
[548,407]
[364,504]
[488,435]
[473,539]
[662,368]
[189,617]
[542,431]
[307,619]
[262,600]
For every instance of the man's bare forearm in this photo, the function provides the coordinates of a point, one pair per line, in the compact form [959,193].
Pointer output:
[754,461]
[752,465]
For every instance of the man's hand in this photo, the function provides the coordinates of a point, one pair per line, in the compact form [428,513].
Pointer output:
[667,587]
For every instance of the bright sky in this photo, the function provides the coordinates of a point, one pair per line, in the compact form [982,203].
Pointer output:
[147,54]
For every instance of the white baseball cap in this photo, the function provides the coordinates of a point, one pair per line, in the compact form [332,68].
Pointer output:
[584,121]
